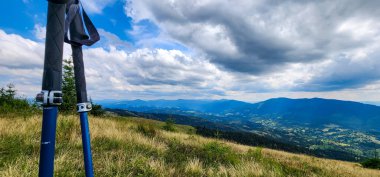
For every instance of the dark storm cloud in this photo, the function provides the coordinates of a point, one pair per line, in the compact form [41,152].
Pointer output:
[344,73]
[261,37]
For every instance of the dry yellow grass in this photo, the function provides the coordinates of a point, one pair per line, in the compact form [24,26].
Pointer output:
[121,149]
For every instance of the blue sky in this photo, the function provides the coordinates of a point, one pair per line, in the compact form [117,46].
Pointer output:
[245,50]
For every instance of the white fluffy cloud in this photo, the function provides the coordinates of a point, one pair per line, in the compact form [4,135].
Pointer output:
[149,72]
[18,52]
[112,72]
[116,73]
[146,73]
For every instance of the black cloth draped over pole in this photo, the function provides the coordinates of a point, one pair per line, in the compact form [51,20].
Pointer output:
[52,76]
[76,24]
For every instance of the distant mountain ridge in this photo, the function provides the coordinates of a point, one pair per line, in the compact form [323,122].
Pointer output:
[210,106]
[313,111]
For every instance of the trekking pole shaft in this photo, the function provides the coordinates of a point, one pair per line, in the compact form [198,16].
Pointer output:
[80,84]
[51,83]
[77,39]
[86,144]
[80,79]
[49,124]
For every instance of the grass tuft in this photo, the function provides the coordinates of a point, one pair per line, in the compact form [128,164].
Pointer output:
[147,130]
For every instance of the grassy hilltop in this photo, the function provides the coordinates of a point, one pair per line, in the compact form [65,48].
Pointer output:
[141,147]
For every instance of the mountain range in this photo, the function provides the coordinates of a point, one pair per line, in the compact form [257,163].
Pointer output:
[315,112]
[315,123]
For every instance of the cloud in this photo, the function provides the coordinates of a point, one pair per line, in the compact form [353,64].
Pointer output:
[146,73]
[108,39]
[21,63]
[96,6]
[18,52]
[149,72]
[262,38]
[346,73]
[39,31]
[145,34]
[113,72]
[219,49]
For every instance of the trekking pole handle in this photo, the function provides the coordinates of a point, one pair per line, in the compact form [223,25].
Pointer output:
[52,74]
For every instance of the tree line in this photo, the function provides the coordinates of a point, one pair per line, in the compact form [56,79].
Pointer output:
[13,105]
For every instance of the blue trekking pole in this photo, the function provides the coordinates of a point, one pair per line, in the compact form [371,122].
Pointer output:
[75,24]
[51,95]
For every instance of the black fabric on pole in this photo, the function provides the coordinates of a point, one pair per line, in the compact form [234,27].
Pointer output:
[78,37]
[52,75]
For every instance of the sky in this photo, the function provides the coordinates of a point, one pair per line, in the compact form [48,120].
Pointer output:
[208,49]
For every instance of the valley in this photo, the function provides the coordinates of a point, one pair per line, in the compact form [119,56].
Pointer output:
[327,128]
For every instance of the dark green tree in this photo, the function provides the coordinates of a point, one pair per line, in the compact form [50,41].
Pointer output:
[10,91]
[68,88]
[7,95]
[12,105]
[97,109]
[371,163]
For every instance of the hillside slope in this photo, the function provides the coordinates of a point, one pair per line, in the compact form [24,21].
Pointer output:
[336,129]
[140,147]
